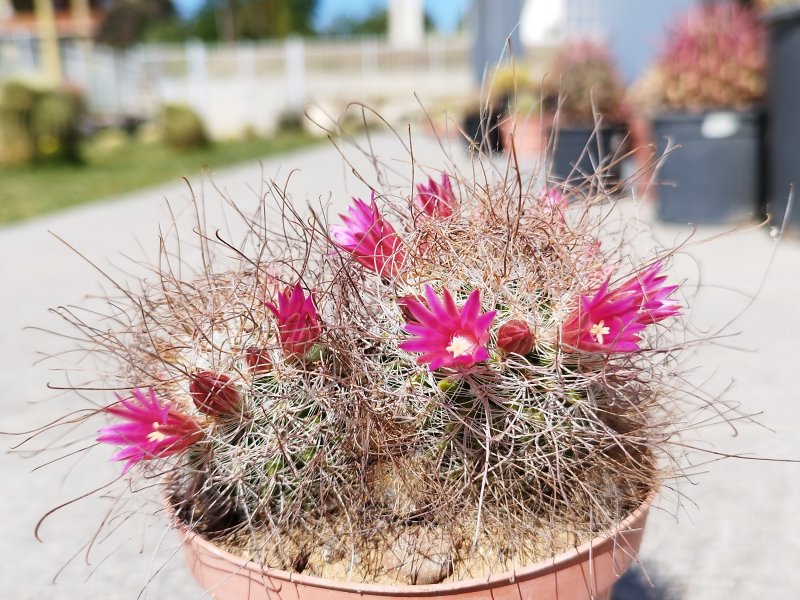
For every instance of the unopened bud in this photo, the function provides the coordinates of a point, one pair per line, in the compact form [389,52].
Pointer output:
[258,360]
[515,336]
[214,394]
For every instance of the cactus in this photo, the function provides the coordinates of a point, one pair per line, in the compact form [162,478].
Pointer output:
[714,58]
[584,78]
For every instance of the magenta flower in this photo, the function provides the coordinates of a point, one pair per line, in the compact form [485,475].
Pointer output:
[369,238]
[553,199]
[611,320]
[446,336]
[298,324]
[151,430]
[652,295]
[436,199]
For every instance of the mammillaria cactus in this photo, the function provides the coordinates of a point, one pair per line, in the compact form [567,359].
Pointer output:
[714,58]
[477,364]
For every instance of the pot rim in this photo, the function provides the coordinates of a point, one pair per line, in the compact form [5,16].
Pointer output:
[780,15]
[595,546]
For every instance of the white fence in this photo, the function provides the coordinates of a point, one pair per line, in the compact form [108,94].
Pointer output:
[251,84]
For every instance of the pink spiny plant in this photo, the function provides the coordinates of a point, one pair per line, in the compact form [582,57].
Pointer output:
[473,395]
[714,58]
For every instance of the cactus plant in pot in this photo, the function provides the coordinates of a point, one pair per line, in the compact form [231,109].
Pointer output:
[459,385]
[590,125]
[705,94]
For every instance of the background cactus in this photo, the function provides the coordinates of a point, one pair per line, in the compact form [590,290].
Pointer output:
[714,58]
[585,81]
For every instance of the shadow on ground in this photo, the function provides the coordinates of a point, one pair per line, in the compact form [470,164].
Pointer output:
[635,585]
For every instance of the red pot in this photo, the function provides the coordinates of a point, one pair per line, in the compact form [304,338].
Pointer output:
[528,133]
[586,573]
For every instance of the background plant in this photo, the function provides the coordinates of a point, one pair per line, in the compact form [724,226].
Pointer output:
[714,58]
[39,123]
[585,81]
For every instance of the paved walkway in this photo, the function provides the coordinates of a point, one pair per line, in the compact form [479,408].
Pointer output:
[735,535]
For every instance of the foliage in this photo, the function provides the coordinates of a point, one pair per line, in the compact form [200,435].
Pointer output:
[518,89]
[115,164]
[181,127]
[714,58]
[39,123]
[585,81]
[126,22]
[375,23]
[231,20]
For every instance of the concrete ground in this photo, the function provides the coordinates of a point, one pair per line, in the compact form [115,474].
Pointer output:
[729,532]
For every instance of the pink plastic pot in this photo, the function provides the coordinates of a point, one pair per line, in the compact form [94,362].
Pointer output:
[585,573]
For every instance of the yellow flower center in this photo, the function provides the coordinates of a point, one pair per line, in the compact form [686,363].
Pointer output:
[598,331]
[460,346]
[156,435]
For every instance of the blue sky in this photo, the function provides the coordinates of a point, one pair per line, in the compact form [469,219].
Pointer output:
[445,13]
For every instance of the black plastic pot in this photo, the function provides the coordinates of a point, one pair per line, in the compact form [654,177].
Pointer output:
[579,151]
[783,104]
[714,177]
[484,130]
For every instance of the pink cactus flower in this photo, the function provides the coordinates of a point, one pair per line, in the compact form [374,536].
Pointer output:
[446,336]
[436,199]
[652,295]
[611,320]
[553,200]
[369,238]
[151,430]
[299,327]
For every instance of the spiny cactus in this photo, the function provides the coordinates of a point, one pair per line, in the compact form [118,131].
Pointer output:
[585,80]
[470,374]
[714,58]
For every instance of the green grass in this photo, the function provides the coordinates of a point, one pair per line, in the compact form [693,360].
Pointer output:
[109,171]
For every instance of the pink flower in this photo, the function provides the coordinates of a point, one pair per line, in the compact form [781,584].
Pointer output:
[298,325]
[445,335]
[652,295]
[369,238]
[151,430]
[436,199]
[553,199]
[611,320]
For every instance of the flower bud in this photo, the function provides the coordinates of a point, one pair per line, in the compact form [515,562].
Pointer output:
[515,336]
[214,394]
[258,360]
